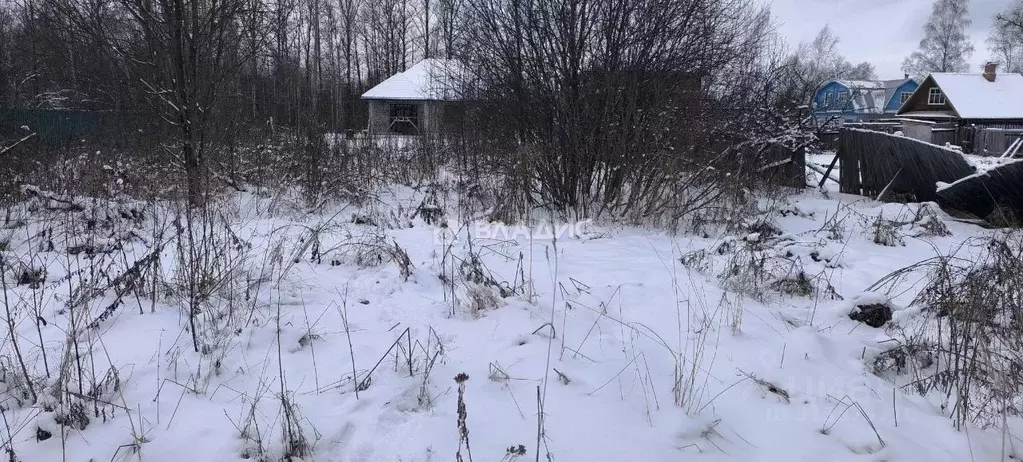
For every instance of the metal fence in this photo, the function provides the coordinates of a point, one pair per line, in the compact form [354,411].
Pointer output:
[60,127]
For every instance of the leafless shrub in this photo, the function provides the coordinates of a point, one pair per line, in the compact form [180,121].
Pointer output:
[927,222]
[480,299]
[463,427]
[296,443]
[252,434]
[370,249]
[886,232]
[73,414]
[757,269]
[798,284]
[697,260]
[968,344]
[209,257]
[16,385]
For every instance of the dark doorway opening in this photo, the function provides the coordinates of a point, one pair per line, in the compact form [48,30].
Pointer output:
[404,119]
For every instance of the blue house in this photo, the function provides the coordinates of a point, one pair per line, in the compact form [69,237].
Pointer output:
[843,101]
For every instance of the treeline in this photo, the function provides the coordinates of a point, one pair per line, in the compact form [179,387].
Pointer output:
[594,105]
[283,59]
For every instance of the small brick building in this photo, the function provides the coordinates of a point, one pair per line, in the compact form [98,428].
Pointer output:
[425,99]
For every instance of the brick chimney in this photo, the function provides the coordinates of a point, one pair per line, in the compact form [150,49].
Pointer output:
[990,71]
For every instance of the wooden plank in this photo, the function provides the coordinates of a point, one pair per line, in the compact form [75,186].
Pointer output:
[982,194]
[827,174]
[889,185]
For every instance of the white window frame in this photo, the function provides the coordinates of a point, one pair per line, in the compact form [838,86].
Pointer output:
[935,97]
[843,99]
[905,97]
[829,101]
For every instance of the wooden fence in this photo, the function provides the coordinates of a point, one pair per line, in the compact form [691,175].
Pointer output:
[888,126]
[828,136]
[984,193]
[995,141]
[784,167]
[874,163]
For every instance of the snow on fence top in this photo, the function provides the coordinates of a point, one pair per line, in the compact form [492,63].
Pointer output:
[955,150]
[973,97]
[428,80]
[880,162]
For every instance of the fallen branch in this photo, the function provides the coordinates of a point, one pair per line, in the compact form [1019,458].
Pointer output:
[35,191]
[826,174]
[8,148]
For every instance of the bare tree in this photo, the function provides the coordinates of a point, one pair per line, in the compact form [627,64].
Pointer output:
[613,100]
[449,12]
[814,63]
[1005,42]
[184,54]
[427,51]
[946,47]
[6,32]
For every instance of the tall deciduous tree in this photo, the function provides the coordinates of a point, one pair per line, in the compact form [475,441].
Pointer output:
[946,47]
[450,11]
[1006,40]
[816,62]
[612,99]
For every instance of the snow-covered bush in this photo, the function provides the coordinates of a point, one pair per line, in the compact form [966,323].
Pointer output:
[886,232]
[968,343]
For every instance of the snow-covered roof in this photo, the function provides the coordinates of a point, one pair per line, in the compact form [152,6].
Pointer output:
[973,97]
[861,84]
[892,85]
[869,96]
[430,79]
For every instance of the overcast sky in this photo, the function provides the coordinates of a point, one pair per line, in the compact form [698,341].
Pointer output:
[882,32]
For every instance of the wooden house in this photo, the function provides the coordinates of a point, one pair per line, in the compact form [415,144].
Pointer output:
[959,108]
[850,101]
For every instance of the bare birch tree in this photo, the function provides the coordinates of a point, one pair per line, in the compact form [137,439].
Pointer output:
[946,47]
[1005,43]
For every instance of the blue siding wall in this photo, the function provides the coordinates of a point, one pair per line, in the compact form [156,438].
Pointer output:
[896,100]
[820,98]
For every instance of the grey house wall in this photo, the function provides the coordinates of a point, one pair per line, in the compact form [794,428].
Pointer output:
[431,114]
[917,130]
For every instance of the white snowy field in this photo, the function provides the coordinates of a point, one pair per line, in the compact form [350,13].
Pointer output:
[320,341]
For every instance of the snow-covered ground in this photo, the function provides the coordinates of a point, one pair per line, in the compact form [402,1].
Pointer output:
[640,345]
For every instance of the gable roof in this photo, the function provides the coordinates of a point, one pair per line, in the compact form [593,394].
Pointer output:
[869,96]
[430,79]
[866,97]
[860,84]
[973,97]
[892,86]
